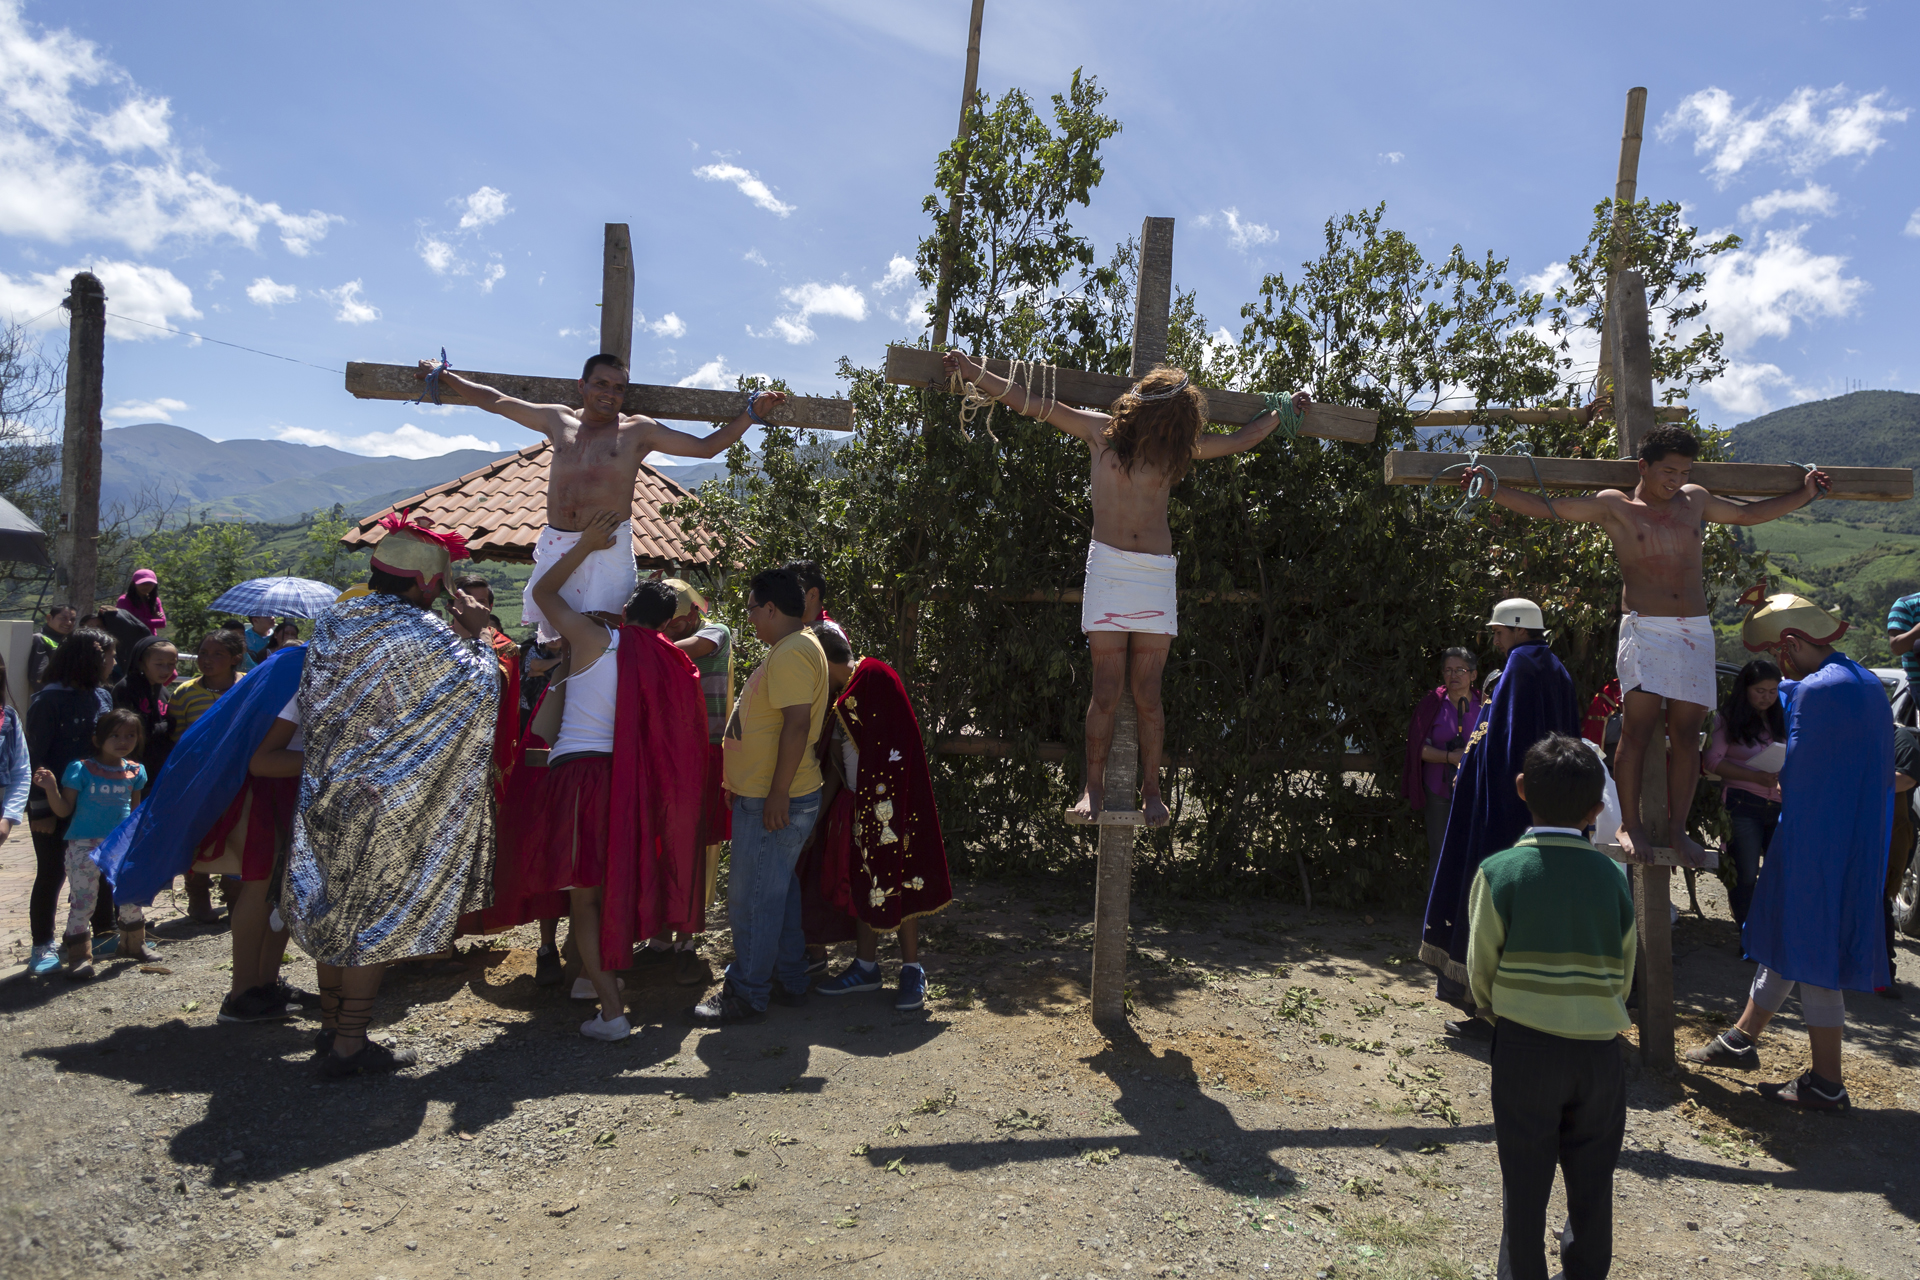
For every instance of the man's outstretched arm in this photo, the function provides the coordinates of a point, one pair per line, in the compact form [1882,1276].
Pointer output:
[1219,446]
[1578,509]
[683,444]
[1720,511]
[1083,424]
[534,417]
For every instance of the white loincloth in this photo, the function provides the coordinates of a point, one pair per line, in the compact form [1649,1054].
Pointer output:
[603,583]
[1128,591]
[1672,657]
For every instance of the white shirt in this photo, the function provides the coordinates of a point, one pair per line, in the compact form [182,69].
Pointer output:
[291,714]
[586,721]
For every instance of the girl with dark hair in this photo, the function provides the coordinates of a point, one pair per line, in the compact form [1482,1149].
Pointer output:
[95,795]
[60,724]
[1747,749]
[150,669]
[142,600]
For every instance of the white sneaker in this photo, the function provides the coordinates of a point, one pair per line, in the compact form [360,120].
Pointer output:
[583,988]
[598,1028]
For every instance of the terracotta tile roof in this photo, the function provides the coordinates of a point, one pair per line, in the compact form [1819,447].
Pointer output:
[502,507]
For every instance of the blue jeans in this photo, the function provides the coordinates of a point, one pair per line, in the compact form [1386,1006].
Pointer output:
[1752,820]
[763,899]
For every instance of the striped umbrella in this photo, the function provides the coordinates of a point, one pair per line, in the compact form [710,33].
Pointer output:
[277,598]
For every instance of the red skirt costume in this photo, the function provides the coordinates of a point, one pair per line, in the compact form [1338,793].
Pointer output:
[253,833]
[880,858]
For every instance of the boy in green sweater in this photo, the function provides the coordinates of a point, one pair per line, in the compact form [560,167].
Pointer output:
[1550,959]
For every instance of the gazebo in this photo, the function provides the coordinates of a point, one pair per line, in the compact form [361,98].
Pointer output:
[502,507]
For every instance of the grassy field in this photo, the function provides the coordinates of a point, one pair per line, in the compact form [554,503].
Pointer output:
[1796,542]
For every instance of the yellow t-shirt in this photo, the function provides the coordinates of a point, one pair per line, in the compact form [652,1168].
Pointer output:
[793,675]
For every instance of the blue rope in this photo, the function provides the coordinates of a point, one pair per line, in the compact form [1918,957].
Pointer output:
[1810,467]
[436,368]
[1280,405]
[1483,486]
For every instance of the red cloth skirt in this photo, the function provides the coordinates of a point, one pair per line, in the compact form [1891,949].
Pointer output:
[826,904]
[250,836]
[716,815]
[561,836]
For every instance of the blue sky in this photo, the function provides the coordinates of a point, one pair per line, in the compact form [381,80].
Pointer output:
[364,182]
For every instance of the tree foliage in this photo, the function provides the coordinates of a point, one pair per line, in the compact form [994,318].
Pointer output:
[1315,599]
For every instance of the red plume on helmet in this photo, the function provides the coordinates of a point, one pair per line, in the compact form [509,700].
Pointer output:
[455,543]
[414,549]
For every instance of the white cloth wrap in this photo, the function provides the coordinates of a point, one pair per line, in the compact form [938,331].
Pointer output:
[1128,591]
[603,583]
[1672,657]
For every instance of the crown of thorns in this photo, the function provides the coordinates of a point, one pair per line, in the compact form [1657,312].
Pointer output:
[1168,394]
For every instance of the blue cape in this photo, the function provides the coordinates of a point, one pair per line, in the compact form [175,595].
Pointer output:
[1816,914]
[203,775]
[1533,698]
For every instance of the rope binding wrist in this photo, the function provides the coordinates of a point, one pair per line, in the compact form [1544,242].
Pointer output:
[753,407]
[434,369]
[1280,405]
[1810,468]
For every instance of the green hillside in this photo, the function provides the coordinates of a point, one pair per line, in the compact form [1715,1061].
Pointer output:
[1862,429]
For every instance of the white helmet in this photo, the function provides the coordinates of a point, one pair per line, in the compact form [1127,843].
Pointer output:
[1518,612]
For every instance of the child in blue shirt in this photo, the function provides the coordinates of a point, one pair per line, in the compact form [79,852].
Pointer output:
[98,792]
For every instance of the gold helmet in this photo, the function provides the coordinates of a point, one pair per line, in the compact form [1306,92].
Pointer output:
[1771,620]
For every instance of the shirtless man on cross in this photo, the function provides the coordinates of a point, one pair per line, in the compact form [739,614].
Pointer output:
[1666,638]
[1139,452]
[597,452]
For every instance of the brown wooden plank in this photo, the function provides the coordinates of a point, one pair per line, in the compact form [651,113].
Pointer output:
[918,367]
[1741,479]
[685,404]
[616,293]
[1528,417]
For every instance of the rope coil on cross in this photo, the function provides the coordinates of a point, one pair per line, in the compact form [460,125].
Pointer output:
[1022,373]
[1482,487]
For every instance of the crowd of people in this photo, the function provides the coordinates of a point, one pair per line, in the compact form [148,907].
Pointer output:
[401,778]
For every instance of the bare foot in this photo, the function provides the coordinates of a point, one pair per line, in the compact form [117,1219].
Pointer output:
[1155,809]
[1633,841]
[1691,854]
[1089,804]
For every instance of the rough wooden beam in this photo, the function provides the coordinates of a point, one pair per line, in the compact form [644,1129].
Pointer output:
[1527,417]
[684,404]
[616,294]
[1738,479]
[919,367]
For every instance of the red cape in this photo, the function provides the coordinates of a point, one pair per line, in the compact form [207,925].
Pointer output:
[509,752]
[882,857]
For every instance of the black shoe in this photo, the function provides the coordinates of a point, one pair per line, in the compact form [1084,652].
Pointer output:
[547,969]
[1802,1092]
[373,1059]
[645,957]
[817,967]
[724,1009]
[255,1004]
[322,1042]
[1470,1029]
[691,969]
[1721,1052]
[790,999]
[305,1001]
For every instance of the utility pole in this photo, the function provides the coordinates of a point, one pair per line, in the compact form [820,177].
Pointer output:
[77,541]
[943,302]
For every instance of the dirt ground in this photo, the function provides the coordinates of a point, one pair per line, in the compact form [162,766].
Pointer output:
[1290,1107]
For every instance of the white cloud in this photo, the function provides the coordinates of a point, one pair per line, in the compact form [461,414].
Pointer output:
[1758,293]
[408,442]
[747,184]
[85,153]
[1813,198]
[1743,389]
[1809,128]
[901,272]
[713,375]
[814,299]
[440,257]
[1393,157]
[144,295]
[667,326]
[351,307]
[1244,235]
[1913,223]
[268,294]
[483,208]
[593,333]
[753,256]
[492,276]
[160,410]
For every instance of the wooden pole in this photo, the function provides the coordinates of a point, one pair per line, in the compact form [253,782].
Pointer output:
[1632,363]
[616,294]
[943,302]
[1113,886]
[77,541]
[1626,188]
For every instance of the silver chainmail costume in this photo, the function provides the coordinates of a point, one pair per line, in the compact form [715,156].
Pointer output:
[394,835]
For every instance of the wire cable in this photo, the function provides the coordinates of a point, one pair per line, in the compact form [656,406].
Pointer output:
[217,342]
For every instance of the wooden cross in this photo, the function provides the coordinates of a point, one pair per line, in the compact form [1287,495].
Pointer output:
[1626,353]
[1153,302]
[695,404]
